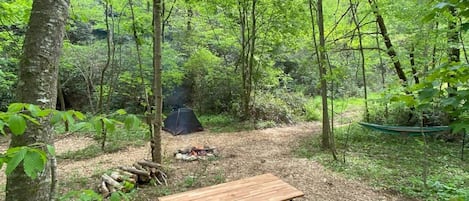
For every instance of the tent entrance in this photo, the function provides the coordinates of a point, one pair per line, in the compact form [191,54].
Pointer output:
[182,121]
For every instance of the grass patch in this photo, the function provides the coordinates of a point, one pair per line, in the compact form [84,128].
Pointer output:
[116,141]
[224,123]
[397,163]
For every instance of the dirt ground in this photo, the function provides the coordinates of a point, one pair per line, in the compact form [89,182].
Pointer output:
[242,154]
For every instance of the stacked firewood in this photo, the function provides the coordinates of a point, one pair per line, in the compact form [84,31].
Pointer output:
[125,178]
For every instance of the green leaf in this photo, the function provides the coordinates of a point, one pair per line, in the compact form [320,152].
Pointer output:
[16,159]
[67,116]
[2,160]
[44,113]
[427,94]
[465,26]
[131,122]
[461,126]
[121,111]
[17,124]
[80,126]
[429,17]
[31,119]
[58,116]
[34,109]
[15,107]
[79,115]
[110,124]
[97,124]
[116,196]
[51,149]
[2,125]
[34,163]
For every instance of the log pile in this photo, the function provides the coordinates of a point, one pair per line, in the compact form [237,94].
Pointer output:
[125,178]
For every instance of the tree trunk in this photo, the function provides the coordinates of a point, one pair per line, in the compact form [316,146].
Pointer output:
[248,41]
[157,91]
[387,41]
[252,50]
[412,64]
[60,96]
[110,45]
[327,141]
[453,38]
[246,94]
[38,69]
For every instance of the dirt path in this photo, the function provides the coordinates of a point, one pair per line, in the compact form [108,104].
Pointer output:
[243,154]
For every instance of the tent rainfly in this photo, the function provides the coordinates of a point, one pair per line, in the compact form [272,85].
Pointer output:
[182,121]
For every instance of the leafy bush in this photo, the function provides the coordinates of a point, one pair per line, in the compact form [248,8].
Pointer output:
[268,107]
[312,110]
[213,87]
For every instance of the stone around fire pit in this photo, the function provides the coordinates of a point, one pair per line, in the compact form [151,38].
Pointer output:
[196,153]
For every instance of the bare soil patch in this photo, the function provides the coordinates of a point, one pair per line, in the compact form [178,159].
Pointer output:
[242,154]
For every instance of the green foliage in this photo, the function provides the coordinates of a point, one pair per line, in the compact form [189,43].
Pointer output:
[213,86]
[32,157]
[268,107]
[7,81]
[33,160]
[312,110]
[223,123]
[190,181]
[83,195]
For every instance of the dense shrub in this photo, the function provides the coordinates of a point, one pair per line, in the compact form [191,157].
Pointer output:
[312,110]
[268,107]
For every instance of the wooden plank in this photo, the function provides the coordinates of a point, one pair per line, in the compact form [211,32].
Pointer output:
[263,187]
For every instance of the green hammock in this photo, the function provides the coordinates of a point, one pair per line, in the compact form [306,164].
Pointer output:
[405,130]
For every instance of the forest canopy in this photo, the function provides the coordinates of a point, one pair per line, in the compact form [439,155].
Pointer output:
[209,64]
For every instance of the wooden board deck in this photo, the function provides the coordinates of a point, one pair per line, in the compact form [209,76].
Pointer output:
[263,187]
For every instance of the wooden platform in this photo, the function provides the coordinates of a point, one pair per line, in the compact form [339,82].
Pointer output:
[262,187]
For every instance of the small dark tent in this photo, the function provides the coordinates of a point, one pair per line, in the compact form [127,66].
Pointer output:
[182,121]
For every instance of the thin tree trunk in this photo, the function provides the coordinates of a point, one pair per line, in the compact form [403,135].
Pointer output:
[434,50]
[112,69]
[156,138]
[462,43]
[453,52]
[453,38]
[362,56]
[38,69]
[412,64]
[246,94]
[108,59]
[61,98]
[326,140]
[252,49]
[383,71]
[147,112]
[387,41]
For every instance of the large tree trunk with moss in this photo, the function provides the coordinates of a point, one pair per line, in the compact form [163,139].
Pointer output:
[37,84]
[157,91]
